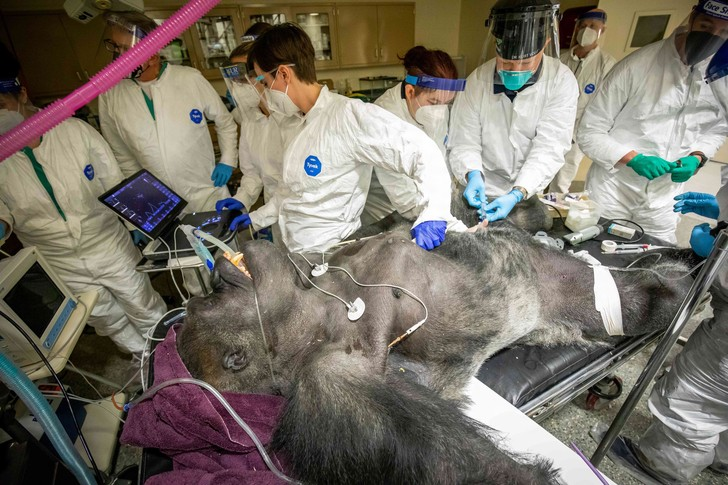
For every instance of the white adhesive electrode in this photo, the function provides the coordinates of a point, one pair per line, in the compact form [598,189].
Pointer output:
[356,310]
[319,269]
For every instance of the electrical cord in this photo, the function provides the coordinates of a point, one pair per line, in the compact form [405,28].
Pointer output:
[171,271]
[149,338]
[75,397]
[99,476]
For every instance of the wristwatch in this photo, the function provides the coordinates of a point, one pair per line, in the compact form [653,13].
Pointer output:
[521,190]
[702,157]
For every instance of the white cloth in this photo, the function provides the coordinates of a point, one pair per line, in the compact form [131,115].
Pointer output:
[91,249]
[328,166]
[607,300]
[689,429]
[654,104]
[589,72]
[177,147]
[390,191]
[513,143]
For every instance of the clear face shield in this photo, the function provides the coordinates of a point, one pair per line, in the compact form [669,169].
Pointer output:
[521,33]
[589,30]
[120,36]
[431,102]
[241,86]
[703,34]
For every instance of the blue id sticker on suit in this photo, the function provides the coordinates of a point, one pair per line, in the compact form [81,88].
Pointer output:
[196,116]
[88,171]
[312,165]
[589,88]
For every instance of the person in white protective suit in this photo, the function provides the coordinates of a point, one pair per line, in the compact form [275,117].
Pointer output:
[654,122]
[48,197]
[512,125]
[157,120]
[261,143]
[422,100]
[689,404]
[327,167]
[590,64]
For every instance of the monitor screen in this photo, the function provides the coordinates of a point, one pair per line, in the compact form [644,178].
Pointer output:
[145,202]
[35,299]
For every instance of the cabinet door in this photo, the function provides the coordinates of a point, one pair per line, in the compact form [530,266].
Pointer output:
[357,26]
[320,25]
[216,35]
[180,51]
[87,42]
[396,31]
[49,64]
[271,15]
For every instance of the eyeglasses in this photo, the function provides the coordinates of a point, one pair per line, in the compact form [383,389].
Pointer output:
[111,46]
[258,79]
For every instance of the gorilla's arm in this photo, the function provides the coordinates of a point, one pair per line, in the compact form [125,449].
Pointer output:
[345,421]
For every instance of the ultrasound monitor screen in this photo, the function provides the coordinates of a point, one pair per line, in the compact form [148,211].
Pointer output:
[35,299]
[145,202]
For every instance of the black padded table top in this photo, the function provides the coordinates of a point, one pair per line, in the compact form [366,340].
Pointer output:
[521,373]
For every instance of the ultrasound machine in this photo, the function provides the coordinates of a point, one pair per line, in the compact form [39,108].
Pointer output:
[149,205]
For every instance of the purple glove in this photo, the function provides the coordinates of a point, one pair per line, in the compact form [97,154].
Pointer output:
[429,234]
[240,222]
[229,204]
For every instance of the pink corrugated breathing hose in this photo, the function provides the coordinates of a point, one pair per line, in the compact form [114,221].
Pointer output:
[108,77]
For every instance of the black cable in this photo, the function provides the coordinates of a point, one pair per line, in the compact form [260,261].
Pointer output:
[99,477]
[628,221]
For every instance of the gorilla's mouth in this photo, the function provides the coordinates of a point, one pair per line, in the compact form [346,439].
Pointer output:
[238,260]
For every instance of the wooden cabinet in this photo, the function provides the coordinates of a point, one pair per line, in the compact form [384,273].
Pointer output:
[319,22]
[180,51]
[375,34]
[215,36]
[272,15]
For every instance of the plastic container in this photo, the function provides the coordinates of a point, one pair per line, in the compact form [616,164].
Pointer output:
[582,214]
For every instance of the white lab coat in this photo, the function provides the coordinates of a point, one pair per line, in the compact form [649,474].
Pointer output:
[589,72]
[91,250]
[177,147]
[401,193]
[328,166]
[654,104]
[513,143]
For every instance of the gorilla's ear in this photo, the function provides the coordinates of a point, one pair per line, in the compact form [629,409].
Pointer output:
[234,360]
[227,274]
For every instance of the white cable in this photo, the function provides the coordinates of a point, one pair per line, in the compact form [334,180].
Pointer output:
[73,397]
[75,369]
[184,278]
[314,284]
[171,272]
[5,254]
[149,338]
[659,275]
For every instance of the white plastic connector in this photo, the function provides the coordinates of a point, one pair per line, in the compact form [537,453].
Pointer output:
[356,310]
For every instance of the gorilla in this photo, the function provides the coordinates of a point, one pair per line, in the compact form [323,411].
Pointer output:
[360,409]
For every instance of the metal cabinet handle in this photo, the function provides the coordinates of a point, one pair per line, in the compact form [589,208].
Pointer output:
[79,76]
[380,53]
[85,73]
[376,53]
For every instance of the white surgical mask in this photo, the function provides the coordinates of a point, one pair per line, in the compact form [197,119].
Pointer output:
[587,36]
[9,120]
[280,102]
[246,96]
[434,120]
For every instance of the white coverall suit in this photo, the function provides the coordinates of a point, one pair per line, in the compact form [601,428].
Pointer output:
[589,72]
[654,104]
[689,430]
[327,169]
[91,249]
[175,144]
[401,193]
[520,143]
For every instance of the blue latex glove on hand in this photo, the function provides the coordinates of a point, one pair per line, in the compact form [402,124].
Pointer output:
[705,205]
[138,237]
[502,206]
[229,204]
[429,234]
[475,190]
[221,174]
[240,222]
[701,241]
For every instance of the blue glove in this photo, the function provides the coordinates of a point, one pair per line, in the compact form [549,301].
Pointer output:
[429,234]
[240,222]
[2,229]
[502,206]
[701,241]
[475,190]
[705,205]
[138,237]
[221,174]
[229,204]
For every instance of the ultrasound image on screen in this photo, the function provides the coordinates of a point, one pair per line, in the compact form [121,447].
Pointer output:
[35,299]
[144,201]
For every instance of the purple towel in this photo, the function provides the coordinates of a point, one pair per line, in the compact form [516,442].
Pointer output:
[192,427]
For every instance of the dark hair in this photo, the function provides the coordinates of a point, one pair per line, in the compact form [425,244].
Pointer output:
[255,30]
[285,44]
[419,60]
[258,28]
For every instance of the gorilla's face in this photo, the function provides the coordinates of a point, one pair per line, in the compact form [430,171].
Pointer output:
[228,338]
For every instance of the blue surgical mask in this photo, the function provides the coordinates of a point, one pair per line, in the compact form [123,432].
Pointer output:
[514,80]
